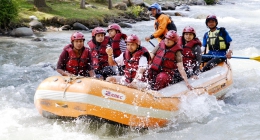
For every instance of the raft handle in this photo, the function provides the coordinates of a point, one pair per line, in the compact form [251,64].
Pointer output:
[59,105]
[56,79]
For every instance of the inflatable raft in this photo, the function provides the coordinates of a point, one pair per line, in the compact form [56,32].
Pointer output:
[60,96]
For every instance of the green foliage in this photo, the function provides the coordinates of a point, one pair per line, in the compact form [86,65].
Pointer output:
[8,12]
[135,10]
[210,2]
[99,1]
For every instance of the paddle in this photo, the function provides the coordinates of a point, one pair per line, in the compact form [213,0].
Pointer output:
[151,43]
[257,58]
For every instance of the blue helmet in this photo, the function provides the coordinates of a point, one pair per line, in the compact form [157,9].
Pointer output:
[155,6]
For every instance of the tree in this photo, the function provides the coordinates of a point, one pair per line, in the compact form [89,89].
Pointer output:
[109,4]
[82,4]
[40,3]
[8,12]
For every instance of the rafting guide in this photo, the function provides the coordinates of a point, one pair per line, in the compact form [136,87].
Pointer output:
[162,24]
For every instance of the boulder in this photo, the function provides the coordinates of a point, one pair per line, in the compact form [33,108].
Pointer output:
[36,25]
[120,6]
[37,39]
[79,26]
[65,27]
[171,5]
[125,25]
[184,7]
[167,5]
[134,3]
[21,31]
[138,2]
[146,5]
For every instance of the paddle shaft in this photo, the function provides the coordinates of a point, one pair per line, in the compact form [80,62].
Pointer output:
[151,43]
[225,56]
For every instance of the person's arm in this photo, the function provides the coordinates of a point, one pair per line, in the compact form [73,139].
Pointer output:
[204,43]
[181,69]
[109,52]
[229,40]
[143,64]
[122,45]
[61,65]
[229,52]
[197,52]
[162,26]
[152,53]
[164,20]
[92,73]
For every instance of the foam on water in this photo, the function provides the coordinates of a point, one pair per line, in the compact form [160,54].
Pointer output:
[24,64]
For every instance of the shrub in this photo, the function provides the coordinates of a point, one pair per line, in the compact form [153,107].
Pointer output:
[135,10]
[99,1]
[8,12]
[210,2]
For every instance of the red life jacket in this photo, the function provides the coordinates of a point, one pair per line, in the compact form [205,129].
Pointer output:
[115,44]
[132,62]
[99,55]
[188,56]
[75,65]
[164,59]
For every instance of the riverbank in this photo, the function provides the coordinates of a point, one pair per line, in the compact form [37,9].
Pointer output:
[64,14]
[68,12]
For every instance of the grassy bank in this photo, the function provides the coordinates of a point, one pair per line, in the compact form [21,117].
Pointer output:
[64,9]
[67,9]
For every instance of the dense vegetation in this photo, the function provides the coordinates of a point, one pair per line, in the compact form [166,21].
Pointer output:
[8,12]
[210,2]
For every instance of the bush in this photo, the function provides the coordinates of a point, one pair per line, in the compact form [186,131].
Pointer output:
[8,12]
[135,10]
[99,1]
[210,2]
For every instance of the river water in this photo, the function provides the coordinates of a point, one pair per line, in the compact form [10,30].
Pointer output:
[25,63]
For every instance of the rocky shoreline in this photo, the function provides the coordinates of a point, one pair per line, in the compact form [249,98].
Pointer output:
[124,20]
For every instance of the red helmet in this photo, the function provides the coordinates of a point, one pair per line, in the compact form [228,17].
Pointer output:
[189,29]
[98,30]
[209,17]
[133,39]
[172,35]
[76,36]
[114,26]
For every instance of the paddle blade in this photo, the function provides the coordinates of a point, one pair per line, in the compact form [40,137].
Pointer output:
[256,58]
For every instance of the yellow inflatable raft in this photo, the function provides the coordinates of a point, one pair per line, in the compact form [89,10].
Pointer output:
[75,97]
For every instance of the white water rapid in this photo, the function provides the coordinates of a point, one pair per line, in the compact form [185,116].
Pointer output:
[25,63]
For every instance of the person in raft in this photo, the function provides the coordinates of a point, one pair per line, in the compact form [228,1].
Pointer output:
[75,58]
[191,52]
[217,41]
[166,59]
[117,42]
[135,59]
[98,46]
[162,24]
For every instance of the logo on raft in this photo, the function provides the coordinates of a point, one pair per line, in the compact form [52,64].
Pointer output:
[112,94]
